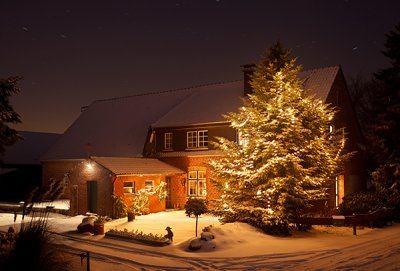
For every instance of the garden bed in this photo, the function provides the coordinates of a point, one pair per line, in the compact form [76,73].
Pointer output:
[138,237]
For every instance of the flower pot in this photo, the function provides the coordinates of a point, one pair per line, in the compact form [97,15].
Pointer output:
[131,216]
[98,229]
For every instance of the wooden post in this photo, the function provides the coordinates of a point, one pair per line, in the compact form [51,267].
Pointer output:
[354,229]
[87,261]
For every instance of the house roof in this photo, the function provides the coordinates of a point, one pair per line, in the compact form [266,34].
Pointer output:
[114,127]
[207,104]
[118,127]
[319,81]
[135,166]
[30,149]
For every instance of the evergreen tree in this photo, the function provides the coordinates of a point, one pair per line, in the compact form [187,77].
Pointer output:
[8,136]
[384,129]
[285,157]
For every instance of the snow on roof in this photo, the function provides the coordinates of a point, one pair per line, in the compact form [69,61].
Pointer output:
[135,165]
[114,127]
[319,81]
[207,104]
[30,149]
[118,127]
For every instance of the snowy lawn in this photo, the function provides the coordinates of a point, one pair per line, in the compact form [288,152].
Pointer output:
[236,245]
[236,239]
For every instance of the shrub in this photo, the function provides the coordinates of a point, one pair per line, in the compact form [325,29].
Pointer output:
[119,207]
[140,202]
[161,191]
[137,235]
[360,203]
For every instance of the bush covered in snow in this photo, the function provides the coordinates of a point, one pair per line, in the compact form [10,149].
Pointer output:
[139,236]
[360,203]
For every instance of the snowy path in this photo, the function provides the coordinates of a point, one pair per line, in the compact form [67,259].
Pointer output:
[106,251]
[380,253]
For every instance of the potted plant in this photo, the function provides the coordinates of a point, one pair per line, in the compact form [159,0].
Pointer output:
[98,225]
[131,214]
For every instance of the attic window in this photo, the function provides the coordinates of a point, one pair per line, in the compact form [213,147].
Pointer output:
[168,139]
[197,139]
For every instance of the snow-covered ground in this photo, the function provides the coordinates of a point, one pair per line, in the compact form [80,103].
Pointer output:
[236,246]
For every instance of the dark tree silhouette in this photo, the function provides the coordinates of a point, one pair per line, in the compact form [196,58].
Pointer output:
[8,136]
[384,128]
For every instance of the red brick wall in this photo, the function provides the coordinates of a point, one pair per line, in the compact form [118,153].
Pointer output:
[154,204]
[75,173]
[179,183]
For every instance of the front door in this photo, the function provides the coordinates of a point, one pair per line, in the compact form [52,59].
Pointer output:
[168,188]
[92,196]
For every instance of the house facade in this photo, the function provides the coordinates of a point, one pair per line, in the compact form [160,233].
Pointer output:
[119,146]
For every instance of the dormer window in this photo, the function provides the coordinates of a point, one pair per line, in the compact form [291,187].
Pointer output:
[168,137]
[197,139]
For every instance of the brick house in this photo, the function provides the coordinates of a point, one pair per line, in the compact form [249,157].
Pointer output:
[120,145]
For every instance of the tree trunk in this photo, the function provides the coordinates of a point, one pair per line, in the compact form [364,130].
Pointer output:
[197,217]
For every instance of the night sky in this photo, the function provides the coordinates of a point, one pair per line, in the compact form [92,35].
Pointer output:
[73,52]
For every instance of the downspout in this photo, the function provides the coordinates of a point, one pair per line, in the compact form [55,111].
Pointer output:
[113,179]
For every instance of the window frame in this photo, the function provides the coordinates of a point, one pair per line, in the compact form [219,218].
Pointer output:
[152,186]
[197,139]
[197,183]
[202,140]
[191,139]
[132,187]
[168,141]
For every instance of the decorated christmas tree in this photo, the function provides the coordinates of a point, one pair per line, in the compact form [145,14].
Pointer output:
[286,155]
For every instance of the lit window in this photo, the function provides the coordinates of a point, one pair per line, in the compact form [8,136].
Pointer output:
[168,141]
[197,183]
[129,187]
[149,186]
[197,139]
[241,140]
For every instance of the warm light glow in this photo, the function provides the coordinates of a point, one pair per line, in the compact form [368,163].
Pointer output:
[89,165]
[337,192]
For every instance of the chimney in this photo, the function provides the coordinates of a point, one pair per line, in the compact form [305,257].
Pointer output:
[248,70]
